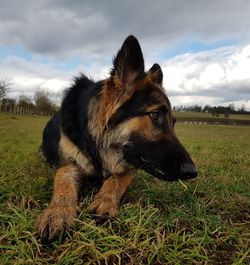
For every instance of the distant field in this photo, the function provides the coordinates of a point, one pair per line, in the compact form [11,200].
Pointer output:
[209,115]
[203,221]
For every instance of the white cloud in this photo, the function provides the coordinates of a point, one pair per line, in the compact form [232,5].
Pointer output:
[213,74]
[212,77]
[27,76]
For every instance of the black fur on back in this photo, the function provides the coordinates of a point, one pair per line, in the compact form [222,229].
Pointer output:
[73,120]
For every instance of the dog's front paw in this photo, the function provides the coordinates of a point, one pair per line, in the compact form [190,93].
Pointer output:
[53,220]
[104,206]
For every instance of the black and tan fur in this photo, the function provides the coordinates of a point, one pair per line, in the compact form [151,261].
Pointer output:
[110,129]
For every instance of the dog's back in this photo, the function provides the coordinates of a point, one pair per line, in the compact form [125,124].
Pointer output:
[75,101]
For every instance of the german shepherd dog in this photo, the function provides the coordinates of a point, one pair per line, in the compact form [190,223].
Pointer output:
[110,129]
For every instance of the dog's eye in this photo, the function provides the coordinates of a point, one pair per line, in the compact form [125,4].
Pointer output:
[155,115]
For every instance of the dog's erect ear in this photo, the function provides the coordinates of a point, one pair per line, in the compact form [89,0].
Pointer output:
[155,74]
[129,62]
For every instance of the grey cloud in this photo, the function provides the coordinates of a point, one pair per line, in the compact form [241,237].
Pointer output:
[63,28]
[94,30]
[230,92]
[237,88]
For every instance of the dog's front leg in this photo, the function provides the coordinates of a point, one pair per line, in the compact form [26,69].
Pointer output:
[106,201]
[62,210]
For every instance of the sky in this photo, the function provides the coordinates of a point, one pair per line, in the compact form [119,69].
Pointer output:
[202,46]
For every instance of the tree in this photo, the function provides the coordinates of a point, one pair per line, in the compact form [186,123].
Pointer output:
[7,104]
[231,107]
[243,109]
[25,102]
[4,88]
[43,100]
[207,109]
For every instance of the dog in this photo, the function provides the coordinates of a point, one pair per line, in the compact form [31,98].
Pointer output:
[110,129]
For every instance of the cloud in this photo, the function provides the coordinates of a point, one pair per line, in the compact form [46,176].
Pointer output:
[65,28]
[27,76]
[219,76]
[53,34]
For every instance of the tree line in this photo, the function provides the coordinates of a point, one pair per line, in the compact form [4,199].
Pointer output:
[214,110]
[41,101]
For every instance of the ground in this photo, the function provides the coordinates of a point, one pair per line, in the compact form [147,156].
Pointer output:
[202,221]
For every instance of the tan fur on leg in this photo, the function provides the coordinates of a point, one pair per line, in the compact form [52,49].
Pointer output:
[62,210]
[107,200]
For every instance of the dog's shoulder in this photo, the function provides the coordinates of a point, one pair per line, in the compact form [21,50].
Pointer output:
[75,115]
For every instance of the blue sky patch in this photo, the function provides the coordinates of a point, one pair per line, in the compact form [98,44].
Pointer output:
[188,46]
[14,50]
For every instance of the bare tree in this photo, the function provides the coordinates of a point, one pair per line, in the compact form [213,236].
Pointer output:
[43,100]
[4,88]
[25,102]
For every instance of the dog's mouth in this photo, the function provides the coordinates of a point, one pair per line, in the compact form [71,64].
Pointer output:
[148,165]
[153,169]
[162,159]
[158,172]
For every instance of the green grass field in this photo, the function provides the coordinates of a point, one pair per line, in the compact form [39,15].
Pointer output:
[203,221]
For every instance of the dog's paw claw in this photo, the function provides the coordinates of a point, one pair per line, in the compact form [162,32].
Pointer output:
[53,220]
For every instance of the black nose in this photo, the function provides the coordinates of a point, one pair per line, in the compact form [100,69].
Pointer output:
[188,171]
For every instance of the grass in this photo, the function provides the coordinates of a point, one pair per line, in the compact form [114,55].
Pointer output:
[203,221]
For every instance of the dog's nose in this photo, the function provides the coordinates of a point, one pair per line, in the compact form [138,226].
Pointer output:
[188,171]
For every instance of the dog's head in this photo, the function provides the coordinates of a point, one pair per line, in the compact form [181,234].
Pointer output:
[138,118]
